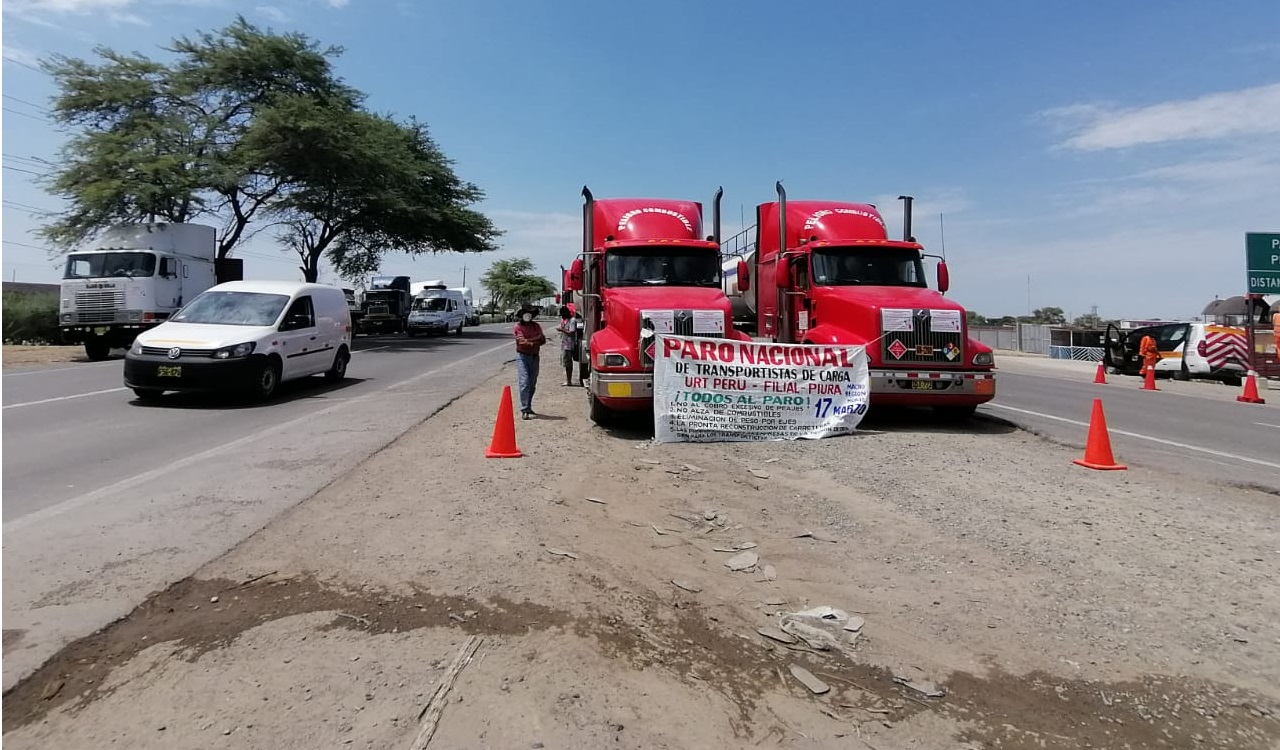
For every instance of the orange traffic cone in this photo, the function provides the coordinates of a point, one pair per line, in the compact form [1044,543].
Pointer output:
[1101,377]
[504,430]
[1149,384]
[1097,451]
[1250,395]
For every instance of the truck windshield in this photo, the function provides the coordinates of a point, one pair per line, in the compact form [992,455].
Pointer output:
[671,267]
[434,304]
[233,309]
[868,266]
[101,265]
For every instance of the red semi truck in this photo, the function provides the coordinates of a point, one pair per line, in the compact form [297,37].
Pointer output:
[645,269]
[826,272]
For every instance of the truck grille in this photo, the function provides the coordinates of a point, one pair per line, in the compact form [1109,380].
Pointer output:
[922,345]
[98,306]
[682,325]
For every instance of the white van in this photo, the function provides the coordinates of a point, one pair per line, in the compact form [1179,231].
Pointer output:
[1187,350]
[437,310]
[244,335]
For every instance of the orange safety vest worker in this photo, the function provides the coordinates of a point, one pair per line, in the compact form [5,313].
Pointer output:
[1149,352]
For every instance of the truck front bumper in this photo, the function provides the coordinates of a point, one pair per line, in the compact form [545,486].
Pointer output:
[623,391]
[932,387]
[115,334]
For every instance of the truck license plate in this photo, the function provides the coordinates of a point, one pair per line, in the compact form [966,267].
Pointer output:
[923,385]
[169,371]
[99,332]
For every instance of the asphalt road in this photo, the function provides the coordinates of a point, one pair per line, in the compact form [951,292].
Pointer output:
[1196,428]
[106,499]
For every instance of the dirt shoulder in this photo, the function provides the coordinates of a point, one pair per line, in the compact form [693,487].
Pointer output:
[14,355]
[1051,606]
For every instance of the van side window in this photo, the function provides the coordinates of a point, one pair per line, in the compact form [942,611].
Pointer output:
[301,315]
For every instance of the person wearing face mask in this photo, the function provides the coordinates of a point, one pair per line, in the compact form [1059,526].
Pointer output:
[529,340]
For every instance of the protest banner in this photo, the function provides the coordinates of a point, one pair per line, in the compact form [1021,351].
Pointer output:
[711,390]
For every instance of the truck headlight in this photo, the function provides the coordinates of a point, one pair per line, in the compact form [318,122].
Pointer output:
[984,359]
[612,360]
[234,352]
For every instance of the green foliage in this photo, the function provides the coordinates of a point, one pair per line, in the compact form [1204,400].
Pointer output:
[512,283]
[253,129]
[30,318]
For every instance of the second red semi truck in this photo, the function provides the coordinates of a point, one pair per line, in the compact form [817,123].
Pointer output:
[645,269]
[826,272]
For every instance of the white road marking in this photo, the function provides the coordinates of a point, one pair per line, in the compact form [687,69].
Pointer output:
[75,502]
[370,349]
[1264,424]
[1139,436]
[65,398]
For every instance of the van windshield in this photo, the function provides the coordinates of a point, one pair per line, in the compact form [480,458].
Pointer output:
[233,309]
[434,304]
[102,265]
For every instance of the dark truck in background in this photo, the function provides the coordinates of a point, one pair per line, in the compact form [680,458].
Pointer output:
[385,308]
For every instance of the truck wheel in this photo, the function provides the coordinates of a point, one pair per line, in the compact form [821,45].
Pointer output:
[267,380]
[955,414]
[338,372]
[97,349]
[411,333]
[148,395]
[600,414]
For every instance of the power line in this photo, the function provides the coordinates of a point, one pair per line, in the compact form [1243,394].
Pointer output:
[24,101]
[32,247]
[24,114]
[27,207]
[17,62]
[26,171]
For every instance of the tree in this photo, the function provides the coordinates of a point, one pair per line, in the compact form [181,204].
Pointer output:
[165,141]
[359,185]
[1088,320]
[512,283]
[975,319]
[1048,316]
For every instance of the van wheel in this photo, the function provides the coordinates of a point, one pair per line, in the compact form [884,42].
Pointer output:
[411,333]
[1235,381]
[1183,373]
[338,372]
[97,349]
[148,395]
[459,331]
[267,380]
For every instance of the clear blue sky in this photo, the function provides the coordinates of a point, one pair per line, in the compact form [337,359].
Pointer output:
[1115,153]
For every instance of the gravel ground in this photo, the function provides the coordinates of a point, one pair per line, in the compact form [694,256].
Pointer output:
[14,355]
[1049,605]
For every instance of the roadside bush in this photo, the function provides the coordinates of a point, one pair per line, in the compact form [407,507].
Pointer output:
[30,318]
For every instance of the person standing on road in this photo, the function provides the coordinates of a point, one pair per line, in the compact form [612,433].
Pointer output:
[529,341]
[567,337]
[1149,352]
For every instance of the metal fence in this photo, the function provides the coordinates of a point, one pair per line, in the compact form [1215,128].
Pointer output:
[1078,353]
[1035,339]
[1005,338]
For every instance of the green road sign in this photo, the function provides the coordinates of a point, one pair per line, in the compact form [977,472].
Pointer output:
[1262,259]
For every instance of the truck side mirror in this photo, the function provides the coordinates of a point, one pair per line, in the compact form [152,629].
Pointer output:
[944,277]
[744,276]
[574,281]
[783,274]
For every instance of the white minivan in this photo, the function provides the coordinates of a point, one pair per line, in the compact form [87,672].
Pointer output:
[244,335]
[437,310]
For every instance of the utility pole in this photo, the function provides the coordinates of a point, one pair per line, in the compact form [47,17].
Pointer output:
[464,274]
[1028,295]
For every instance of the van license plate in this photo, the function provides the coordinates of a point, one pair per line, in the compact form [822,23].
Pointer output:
[100,332]
[169,371]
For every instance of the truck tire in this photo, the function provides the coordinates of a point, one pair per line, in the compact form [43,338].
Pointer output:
[267,380]
[411,333]
[96,348]
[338,372]
[148,395]
[600,414]
[955,414]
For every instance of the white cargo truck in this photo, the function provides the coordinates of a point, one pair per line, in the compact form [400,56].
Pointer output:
[134,278]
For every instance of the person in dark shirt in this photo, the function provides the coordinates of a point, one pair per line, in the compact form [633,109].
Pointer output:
[529,341]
